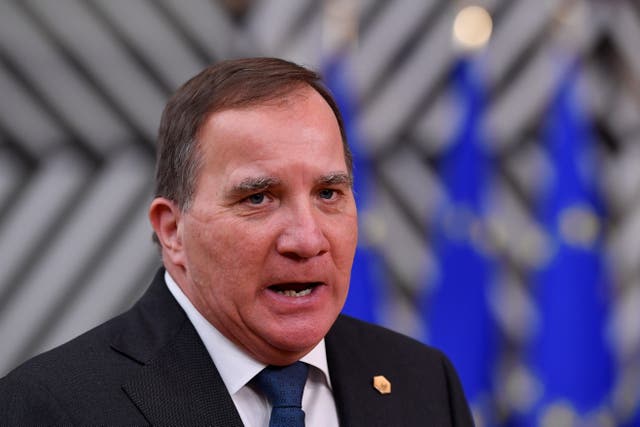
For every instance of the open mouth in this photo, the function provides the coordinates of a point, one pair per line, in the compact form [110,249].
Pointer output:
[294,289]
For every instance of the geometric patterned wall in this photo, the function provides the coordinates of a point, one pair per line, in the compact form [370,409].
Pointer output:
[83,83]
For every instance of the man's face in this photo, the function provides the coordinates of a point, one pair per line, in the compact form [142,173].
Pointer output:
[270,236]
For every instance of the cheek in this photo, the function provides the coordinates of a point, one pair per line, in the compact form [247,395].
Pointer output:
[226,252]
[345,239]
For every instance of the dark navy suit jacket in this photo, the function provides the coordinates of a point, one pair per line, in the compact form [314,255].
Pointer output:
[148,366]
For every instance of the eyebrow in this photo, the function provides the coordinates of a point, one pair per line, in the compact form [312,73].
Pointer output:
[253,184]
[261,183]
[336,178]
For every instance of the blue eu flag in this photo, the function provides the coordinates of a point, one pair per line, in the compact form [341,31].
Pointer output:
[569,355]
[456,311]
[367,275]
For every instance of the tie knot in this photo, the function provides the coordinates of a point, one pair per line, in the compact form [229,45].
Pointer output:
[283,385]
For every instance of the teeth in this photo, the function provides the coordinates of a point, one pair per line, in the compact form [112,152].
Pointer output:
[292,293]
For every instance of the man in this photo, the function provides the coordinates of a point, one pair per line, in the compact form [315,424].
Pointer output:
[256,220]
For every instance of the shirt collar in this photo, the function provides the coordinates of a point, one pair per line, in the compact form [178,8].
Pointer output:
[236,367]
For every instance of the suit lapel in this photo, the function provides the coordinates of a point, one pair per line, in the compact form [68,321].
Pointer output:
[357,402]
[177,383]
[183,387]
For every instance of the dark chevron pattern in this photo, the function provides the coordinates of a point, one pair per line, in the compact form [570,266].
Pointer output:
[83,83]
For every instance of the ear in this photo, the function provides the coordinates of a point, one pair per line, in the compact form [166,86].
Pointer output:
[165,217]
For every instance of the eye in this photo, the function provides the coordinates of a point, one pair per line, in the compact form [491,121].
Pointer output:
[256,199]
[327,193]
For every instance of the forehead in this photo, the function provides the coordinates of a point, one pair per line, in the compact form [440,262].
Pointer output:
[285,100]
[295,128]
[241,101]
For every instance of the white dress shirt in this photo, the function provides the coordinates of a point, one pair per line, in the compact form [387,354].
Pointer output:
[237,369]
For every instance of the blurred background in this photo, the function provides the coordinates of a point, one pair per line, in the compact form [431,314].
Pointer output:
[497,153]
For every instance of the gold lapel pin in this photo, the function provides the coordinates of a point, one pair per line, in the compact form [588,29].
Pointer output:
[381,384]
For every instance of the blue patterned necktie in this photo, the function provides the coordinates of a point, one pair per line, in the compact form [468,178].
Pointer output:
[283,386]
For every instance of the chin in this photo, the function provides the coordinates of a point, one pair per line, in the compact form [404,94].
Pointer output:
[302,337]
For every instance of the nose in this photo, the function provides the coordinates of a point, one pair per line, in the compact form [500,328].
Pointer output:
[302,235]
